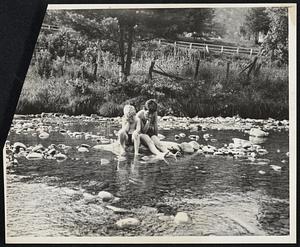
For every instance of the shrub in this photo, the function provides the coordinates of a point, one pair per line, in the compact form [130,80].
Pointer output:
[111,109]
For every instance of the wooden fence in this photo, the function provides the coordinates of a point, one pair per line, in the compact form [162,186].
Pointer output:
[231,50]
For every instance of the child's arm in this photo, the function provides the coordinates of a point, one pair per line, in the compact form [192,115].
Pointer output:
[138,125]
[125,125]
[155,124]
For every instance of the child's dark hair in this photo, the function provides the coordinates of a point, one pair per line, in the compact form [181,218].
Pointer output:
[151,105]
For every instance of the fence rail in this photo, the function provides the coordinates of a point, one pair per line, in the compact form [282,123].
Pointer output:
[211,47]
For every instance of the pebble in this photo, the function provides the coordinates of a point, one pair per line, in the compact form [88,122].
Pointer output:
[60,157]
[182,218]
[275,168]
[105,196]
[104,161]
[43,135]
[19,145]
[128,222]
[34,156]
[82,150]
[258,132]
[182,135]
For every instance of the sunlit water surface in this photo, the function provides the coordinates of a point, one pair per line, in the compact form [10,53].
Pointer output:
[223,195]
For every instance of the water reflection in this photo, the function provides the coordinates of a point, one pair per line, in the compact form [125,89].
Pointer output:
[220,183]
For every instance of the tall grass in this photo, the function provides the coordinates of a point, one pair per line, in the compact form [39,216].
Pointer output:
[211,93]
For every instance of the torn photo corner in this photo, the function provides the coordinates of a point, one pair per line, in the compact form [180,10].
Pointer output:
[212,161]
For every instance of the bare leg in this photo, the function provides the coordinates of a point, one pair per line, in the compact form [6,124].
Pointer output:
[122,138]
[150,144]
[161,147]
[136,142]
[158,144]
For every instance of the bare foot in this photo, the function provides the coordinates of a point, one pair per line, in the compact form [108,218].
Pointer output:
[123,152]
[170,154]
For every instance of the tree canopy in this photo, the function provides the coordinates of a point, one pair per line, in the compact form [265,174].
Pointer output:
[124,27]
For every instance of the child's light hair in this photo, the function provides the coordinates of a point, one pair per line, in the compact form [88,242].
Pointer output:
[129,111]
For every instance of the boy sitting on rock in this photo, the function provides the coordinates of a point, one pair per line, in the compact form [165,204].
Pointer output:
[128,135]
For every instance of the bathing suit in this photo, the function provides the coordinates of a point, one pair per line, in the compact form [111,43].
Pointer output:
[129,141]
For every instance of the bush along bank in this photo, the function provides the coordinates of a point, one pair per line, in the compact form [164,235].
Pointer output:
[213,92]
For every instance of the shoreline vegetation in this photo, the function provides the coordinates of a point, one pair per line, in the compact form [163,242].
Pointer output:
[91,64]
[72,88]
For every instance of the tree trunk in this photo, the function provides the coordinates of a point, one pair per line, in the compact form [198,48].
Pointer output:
[121,46]
[129,50]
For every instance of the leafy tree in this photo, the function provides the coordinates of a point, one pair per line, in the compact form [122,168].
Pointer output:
[276,42]
[257,20]
[127,26]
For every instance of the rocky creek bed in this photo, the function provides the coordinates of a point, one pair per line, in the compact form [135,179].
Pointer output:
[64,179]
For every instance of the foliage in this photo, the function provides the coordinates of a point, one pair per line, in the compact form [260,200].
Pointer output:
[257,20]
[111,109]
[276,42]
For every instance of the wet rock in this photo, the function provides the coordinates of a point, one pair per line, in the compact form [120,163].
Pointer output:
[194,137]
[206,136]
[85,145]
[105,196]
[258,132]
[82,150]
[117,210]
[172,146]
[52,151]
[275,168]
[257,140]
[128,222]
[34,156]
[104,161]
[18,145]
[105,141]
[209,149]
[262,151]
[182,218]
[186,147]
[195,145]
[43,135]
[60,157]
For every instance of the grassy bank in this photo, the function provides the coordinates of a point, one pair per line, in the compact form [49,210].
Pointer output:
[71,86]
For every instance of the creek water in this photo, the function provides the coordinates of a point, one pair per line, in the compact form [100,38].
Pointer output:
[224,196]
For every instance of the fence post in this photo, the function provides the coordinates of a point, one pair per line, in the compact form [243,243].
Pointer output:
[227,70]
[196,69]
[175,49]
[251,52]
[151,69]
[206,48]
[159,42]
[237,50]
